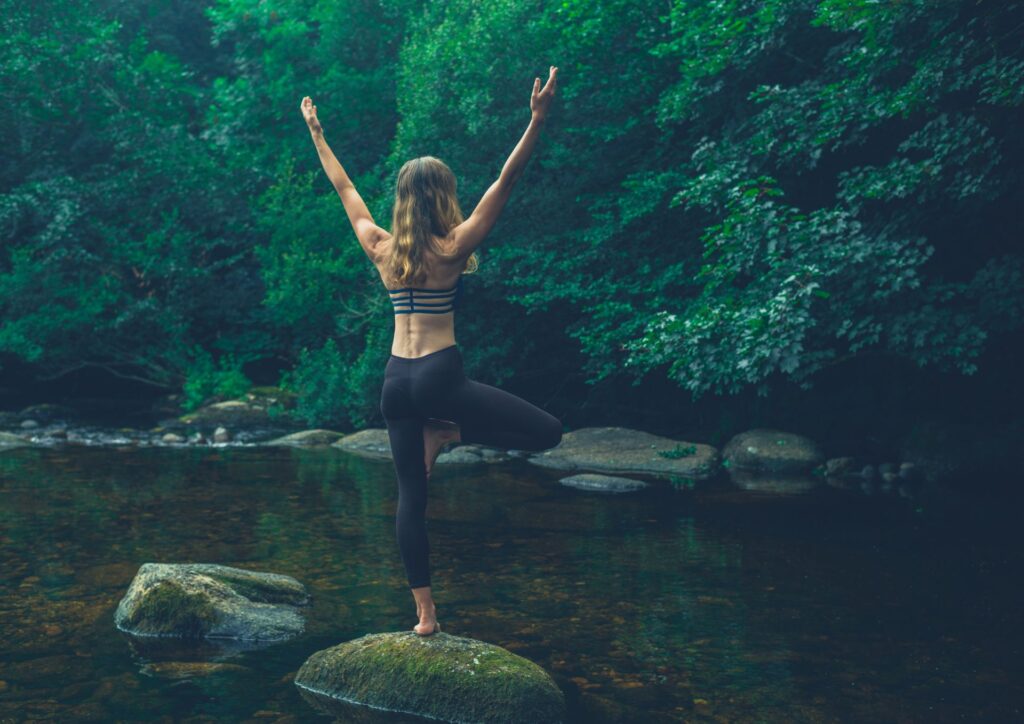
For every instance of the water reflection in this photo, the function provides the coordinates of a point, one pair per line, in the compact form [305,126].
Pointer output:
[721,605]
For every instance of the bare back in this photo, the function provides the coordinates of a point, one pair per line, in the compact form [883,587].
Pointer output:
[420,334]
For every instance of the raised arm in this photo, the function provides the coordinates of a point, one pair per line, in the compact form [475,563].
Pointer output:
[362,222]
[469,234]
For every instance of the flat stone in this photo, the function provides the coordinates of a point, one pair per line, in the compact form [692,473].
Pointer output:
[622,450]
[371,442]
[603,483]
[443,677]
[10,440]
[308,438]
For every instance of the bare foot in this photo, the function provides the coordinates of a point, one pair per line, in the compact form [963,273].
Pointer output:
[437,434]
[428,620]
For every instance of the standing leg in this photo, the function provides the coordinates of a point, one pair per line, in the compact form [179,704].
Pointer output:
[406,437]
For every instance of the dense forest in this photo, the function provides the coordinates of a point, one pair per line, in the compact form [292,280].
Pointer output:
[799,212]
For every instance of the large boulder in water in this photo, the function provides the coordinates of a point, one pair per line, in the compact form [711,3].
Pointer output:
[444,677]
[207,600]
[622,450]
[772,451]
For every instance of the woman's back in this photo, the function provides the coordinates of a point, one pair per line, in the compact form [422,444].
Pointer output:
[425,309]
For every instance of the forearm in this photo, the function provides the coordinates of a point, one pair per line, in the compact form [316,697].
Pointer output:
[331,165]
[516,163]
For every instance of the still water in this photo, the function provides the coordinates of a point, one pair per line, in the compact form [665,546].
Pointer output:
[707,605]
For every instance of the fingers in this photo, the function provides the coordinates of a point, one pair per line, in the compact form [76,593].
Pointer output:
[552,72]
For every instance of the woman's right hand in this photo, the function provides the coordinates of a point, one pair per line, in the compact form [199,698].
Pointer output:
[540,99]
[309,114]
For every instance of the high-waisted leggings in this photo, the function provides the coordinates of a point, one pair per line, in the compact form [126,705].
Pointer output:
[435,386]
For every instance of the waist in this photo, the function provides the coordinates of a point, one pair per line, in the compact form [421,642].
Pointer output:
[450,349]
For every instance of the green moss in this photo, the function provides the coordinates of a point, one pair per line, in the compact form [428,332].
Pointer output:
[257,590]
[166,609]
[446,677]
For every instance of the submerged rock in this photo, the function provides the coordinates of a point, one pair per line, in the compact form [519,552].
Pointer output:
[307,438]
[175,670]
[603,483]
[207,600]
[622,450]
[445,677]
[772,451]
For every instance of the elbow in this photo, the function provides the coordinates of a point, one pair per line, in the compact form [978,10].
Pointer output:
[508,179]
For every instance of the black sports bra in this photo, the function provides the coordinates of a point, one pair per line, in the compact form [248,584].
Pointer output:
[418,300]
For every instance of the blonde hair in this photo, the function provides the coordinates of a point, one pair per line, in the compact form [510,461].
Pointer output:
[425,204]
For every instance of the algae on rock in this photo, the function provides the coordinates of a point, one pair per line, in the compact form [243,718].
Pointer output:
[200,600]
[445,677]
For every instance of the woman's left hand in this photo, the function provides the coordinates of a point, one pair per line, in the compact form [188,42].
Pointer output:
[309,113]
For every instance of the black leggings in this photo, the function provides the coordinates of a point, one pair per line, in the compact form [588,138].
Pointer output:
[435,386]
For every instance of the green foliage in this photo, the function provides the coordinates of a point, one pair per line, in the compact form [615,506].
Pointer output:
[207,378]
[732,193]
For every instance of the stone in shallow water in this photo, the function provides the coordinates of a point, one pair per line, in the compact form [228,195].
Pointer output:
[772,451]
[188,669]
[622,450]
[308,438]
[207,600]
[603,483]
[8,439]
[444,677]
[372,442]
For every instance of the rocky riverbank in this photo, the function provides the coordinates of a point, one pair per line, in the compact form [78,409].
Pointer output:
[595,459]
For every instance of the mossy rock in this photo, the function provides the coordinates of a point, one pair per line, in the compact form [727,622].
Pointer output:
[206,600]
[623,450]
[260,406]
[772,451]
[443,677]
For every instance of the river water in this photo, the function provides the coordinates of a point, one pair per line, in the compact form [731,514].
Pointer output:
[710,605]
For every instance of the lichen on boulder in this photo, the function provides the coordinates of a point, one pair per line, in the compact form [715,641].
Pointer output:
[207,600]
[444,677]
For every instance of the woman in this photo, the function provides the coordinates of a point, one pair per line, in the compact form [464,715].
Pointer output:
[427,401]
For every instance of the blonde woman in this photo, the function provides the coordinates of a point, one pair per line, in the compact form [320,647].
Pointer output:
[426,400]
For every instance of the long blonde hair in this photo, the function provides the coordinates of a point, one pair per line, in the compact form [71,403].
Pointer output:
[425,204]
